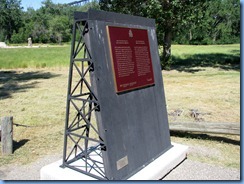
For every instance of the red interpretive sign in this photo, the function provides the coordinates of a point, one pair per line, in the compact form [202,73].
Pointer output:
[131,58]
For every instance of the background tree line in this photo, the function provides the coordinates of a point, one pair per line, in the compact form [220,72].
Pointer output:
[52,23]
[177,21]
[185,21]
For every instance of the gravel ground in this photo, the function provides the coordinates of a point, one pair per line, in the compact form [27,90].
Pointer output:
[187,170]
[26,172]
[193,170]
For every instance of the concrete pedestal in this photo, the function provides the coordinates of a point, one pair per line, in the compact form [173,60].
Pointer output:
[153,171]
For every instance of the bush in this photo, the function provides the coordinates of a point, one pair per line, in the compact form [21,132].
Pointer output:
[17,38]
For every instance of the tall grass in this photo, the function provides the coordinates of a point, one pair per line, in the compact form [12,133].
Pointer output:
[34,57]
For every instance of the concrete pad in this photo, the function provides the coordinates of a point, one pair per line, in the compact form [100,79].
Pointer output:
[153,171]
[161,166]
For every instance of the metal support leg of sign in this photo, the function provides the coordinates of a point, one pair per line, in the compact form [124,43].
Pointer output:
[82,143]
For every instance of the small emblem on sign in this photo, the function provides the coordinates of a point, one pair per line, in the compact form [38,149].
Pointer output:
[122,162]
[130,34]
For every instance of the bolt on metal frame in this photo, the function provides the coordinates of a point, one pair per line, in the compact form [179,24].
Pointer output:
[82,143]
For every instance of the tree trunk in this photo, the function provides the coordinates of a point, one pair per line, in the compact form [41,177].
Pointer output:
[190,35]
[167,46]
[167,35]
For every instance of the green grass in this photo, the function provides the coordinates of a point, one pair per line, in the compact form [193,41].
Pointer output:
[186,57]
[185,50]
[42,57]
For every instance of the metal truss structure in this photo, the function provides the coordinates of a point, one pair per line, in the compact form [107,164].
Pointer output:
[83,145]
[79,3]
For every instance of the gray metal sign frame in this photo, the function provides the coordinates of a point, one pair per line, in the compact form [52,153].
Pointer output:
[131,127]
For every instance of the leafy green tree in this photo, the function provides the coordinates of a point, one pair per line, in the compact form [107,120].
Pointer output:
[59,29]
[185,21]
[10,18]
[168,14]
[50,23]
[215,22]
[225,22]
[128,7]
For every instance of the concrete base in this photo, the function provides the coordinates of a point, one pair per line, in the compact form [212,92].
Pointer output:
[153,171]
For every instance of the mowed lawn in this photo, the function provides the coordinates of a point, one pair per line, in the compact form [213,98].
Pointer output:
[33,87]
[213,92]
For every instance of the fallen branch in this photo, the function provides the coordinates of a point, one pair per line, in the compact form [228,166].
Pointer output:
[218,128]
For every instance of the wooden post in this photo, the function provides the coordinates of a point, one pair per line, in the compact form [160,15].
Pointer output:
[7,135]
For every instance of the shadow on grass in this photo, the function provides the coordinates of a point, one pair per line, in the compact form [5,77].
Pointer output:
[17,145]
[217,138]
[13,81]
[215,60]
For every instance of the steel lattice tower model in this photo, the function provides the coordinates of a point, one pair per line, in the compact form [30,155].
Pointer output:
[82,141]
